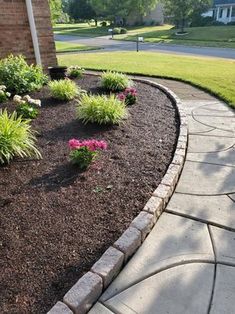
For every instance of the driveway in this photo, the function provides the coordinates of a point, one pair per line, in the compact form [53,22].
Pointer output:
[117,45]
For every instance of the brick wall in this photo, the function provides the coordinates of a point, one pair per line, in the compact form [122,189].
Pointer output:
[15,35]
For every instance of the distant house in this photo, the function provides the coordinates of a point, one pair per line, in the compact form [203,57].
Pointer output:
[224,11]
[153,17]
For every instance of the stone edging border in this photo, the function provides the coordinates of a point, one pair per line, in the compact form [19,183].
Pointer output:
[80,298]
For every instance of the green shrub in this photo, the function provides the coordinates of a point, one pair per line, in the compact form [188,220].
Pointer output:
[4,95]
[27,111]
[116,31]
[123,30]
[16,138]
[101,109]
[19,77]
[64,89]
[114,81]
[75,71]
[82,157]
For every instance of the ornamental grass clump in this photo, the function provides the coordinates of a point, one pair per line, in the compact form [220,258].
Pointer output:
[115,82]
[16,138]
[64,89]
[129,96]
[101,109]
[19,77]
[83,153]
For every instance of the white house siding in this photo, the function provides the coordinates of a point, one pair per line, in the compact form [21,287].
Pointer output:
[225,13]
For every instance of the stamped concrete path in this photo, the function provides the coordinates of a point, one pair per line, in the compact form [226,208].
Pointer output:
[187,263]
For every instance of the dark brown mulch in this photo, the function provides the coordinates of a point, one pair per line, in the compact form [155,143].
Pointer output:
[55,221]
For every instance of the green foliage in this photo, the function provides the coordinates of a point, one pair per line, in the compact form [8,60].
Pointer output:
[75,71]
[27,111]
[116,31]
[114,81]
[101,109]
[81,9]
[56,10]
[123,30]
[16,138]
[64,89]
[19,77]
[3,96]
[82,157]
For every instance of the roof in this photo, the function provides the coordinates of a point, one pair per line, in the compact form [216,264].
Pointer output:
[222,2]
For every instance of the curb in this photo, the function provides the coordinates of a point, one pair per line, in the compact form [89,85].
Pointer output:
[80,298]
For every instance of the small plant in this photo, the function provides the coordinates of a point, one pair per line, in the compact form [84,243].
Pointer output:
[75,72]
[114,81]
[4,95]
[27,111]
[18,100]
[116,31]
[19,77]
[101,109]
[16,138]
[64,89]
[123,30]
[129,96]
[84,152]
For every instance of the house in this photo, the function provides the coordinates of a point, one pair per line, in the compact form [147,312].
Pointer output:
[153,17]
[224,11]
[26,29]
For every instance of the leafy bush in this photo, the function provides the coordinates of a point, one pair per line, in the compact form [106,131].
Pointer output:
[64,89]
[116,30]
[16,138]
[231,23]
[75,71]
[113,81]
[123,30]
[101,109]
[129,96]
[84,152]
[103,24]
[27,111]
[4,95]
[19,77]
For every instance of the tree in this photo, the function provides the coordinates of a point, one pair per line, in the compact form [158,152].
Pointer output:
[56,10]
[81,9]
[182,10]
[114,10]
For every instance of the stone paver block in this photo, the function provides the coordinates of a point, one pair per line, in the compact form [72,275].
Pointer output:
[172,241]
[178,160]
[205,144]
[172,176]
[206,179]
[84,293]
[217,209]
[60,308]
[129,242]
[224,158]
[183,130]
[223,300]
[213,111]
[109,265]
[181,289]
[154,206]
[224,243]
[144,222]
[99,308]
[164,192]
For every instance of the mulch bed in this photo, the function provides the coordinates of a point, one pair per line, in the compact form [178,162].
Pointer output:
[55,222]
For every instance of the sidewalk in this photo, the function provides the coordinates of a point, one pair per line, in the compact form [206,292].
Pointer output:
[187,263]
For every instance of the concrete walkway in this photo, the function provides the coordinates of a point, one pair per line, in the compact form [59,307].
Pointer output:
[187,263]
[106,44]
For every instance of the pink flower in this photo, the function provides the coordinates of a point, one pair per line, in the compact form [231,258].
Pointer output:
[93,145]
[121,97]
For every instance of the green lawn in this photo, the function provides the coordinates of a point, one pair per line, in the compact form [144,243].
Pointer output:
[72,47]
[212,36]
[214,75]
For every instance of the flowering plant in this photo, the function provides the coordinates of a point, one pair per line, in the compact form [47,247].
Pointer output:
[129,96]
[4,95]
[84,152]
